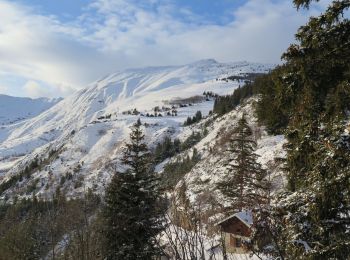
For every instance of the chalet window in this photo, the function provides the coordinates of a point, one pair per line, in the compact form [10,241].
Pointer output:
[238,242]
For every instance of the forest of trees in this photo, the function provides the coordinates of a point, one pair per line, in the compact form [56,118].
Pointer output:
[31,228]
[168,148]
[192,120]
[225,104]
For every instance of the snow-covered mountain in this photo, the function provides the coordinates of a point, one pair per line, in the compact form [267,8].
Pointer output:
[77,138]
[15,109]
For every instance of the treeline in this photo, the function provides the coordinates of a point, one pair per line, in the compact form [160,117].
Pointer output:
[26,173]
[225,104]
[175,171]
[168,148]
[35,229]
[34,165]
[195,119]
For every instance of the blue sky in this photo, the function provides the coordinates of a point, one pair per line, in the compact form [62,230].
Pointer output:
[67,9]
[54,47]
[70,9]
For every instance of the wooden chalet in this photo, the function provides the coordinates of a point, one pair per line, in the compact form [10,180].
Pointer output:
[235,230]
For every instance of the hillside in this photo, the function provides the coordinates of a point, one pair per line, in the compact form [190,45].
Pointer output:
[199,185]
[74,141]
[15,109]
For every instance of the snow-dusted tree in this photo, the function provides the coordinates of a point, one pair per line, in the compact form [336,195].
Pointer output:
[317,212]
[317,204]
[132,213]
[243,183]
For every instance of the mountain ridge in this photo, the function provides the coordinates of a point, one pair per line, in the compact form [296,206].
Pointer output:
[89,127]
[15,109]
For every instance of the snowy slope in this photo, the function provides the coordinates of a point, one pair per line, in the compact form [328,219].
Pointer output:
[15,109]
[80,135]
[210,170]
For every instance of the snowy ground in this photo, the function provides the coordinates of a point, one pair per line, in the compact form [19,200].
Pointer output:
[15,109]
[187,244]
[201,182]
[88,128]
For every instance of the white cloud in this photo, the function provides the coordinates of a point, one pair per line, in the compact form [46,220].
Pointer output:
[34,90]
[3,89]
[115,34]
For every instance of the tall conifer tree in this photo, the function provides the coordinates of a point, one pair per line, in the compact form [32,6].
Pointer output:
[132,213]
[244,178]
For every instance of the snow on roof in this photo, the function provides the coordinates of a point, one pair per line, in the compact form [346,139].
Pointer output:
[245,216]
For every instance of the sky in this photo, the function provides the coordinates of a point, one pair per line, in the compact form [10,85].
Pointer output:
[51,48]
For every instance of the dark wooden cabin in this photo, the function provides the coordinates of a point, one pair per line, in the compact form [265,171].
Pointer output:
[236,229]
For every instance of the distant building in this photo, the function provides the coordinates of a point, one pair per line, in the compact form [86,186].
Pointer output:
[236,229]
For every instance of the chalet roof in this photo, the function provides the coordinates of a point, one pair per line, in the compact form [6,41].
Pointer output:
[245,216]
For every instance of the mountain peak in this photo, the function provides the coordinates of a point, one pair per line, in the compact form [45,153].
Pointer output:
[92,124]
[204,62]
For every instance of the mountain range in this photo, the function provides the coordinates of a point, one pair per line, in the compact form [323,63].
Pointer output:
[16,109]
[76,139]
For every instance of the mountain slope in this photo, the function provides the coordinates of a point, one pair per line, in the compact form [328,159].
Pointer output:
[200,184]
[75,139]
[15,109]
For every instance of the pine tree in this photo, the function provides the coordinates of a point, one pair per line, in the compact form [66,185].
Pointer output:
[132,213]
[275,100]
[316,205]
[243,184]
[198,116]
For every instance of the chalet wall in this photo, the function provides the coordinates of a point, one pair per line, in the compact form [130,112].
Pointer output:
[230,241]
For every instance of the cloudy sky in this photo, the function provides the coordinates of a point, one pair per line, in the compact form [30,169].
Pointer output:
[54,47]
